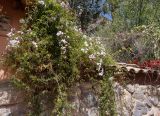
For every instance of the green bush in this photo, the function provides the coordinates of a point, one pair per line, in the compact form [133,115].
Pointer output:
[141,43]
[49,54]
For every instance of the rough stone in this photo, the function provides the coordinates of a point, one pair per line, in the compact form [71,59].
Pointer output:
[90,100]
[126,112]
[137,113]
[93,111]
[85,101]
[154,100]
[11,100]
[127,98]
[118,90]
[138,95]
[4,97]
[130,88]
[5,112]
[148,102]
[153,112]
[143,100]
[139,109]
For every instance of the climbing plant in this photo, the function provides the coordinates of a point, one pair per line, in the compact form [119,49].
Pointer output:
[49,54]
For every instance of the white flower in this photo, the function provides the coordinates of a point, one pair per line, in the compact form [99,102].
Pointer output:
[80,30]
[41,2]
[103,53]
[59,33]
[67,36]
[22,21]
[75,28]
[99,64]
[64,41]
[35,44]
[63,48]
[90,39]
[20,32]
[79,6]
[86,44]
[10,34]
[63,4]
[13,43]
[92,56]
[29,30]
[100,68]
[84,50]
[101,73]
[84,36]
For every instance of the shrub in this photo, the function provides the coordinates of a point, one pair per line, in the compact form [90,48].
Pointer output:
[49,54]
[141,44]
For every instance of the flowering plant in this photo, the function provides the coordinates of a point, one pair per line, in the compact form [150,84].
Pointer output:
[50,54]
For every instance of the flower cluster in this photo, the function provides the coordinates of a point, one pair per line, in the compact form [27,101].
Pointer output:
[63,42]
[95,50]
[13,42]
[35,44]
[59,33]
[41,2]
[11,33]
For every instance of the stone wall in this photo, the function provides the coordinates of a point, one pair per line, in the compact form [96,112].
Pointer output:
[84,98]
[137,100]
[11,100]
[131,100]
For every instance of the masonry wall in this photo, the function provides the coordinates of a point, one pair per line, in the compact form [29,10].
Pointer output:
[137,100]
[11,100]
[131,100]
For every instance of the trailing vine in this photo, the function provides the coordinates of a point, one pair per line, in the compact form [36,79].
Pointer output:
[107,97]
[50,54]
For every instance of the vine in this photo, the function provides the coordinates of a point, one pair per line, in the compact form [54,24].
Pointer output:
[50,54]
[107,97]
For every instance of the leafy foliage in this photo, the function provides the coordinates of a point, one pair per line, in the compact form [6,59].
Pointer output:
[141,44]
[89,12]
[134,31]
[49,54]
[107,101]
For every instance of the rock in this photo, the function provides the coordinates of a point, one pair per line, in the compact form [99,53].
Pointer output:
[154,100]
[118,90]
[148,102]
[137,113]
[137,100]
[139,109]
[128,99]
[90,100]
[154,112]
[93,111]
[5,112]
[139,95]
[126,112]
[4,97]
[130,88]
[11,100]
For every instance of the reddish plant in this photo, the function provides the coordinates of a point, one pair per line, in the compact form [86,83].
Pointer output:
[155,64]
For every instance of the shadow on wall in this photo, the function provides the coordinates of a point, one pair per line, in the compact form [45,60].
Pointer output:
[11,100]
[151,77]
[145,78]
[10,14]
